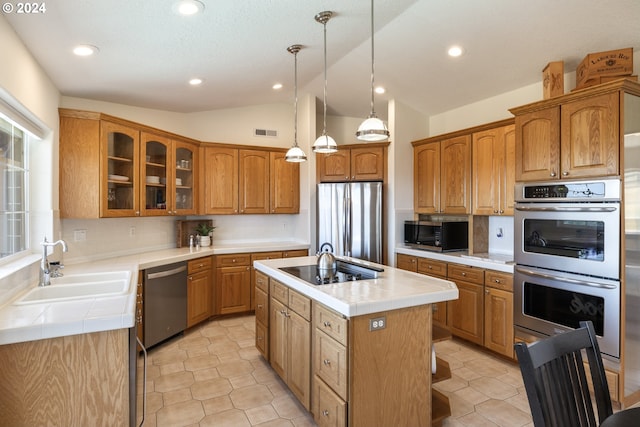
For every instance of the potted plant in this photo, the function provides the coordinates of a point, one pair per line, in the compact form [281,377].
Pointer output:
[204,231]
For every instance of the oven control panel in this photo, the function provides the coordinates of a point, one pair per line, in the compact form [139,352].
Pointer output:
[579,190]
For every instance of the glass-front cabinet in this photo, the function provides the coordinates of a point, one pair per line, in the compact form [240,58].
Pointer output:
[185,178]
[156,174]
[119,189]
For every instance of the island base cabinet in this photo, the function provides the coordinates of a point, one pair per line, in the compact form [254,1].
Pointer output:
[77,380]
[329,409]
[386,387]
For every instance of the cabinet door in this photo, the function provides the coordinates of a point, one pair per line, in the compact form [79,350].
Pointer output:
[455,184]
[590,143]
[538,145]
[262,323]
[426,178]
[233,294]
[508,180]
[278,338]
[199,297]
[299,357]
[498,321]
[334,167]
[329,409]
[284,192]
[221,180]
[488,162]
[367,164]
[254,182]
[120,150]
[466,313]
[186,178]
[156,175]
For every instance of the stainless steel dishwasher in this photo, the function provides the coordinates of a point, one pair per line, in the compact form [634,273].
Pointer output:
[165,302]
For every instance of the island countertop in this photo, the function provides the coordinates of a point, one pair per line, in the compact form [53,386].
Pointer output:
[393,289]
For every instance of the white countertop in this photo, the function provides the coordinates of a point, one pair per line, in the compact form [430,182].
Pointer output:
[393,289]
[19,323]
[498,262]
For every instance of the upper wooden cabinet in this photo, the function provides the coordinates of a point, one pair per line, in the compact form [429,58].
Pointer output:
[353,163]
[572,136]
[493,168]
[111,167]
[442,176]
[249,181]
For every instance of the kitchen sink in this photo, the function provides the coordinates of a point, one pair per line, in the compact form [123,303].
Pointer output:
[79,286]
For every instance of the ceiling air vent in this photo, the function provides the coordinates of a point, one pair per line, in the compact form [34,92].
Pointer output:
[265,132]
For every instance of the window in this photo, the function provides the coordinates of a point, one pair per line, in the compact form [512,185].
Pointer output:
[14,213]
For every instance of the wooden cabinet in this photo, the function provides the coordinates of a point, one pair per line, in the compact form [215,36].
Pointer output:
[110,167]
[438,269]
[233,283]
[574,136]
[353,163]
[284,184]
[295,253]
[493,168]
[262,313]
[466,314]
[249,181]
[407,262]
[498,312]
[255,274]
[199,290]
[442,176]
[290,339]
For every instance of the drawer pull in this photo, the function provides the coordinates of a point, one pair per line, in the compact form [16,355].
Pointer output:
[497,280]
[327,362]
[260,338]
[464,274]
[325,412]
[430,268]
[259,305]
[327,324]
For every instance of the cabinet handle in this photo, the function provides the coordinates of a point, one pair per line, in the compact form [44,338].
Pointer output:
[552,174]
[565,173]
[486,291]
[201,265]
[495,211]
[260,338]
[327,362]
[327,324]
[325,412]
[501,211]
[137,213]
[430,267]
[497,280]
[464,274]
[259,305]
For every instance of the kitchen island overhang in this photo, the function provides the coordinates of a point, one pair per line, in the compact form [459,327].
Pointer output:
[391,290]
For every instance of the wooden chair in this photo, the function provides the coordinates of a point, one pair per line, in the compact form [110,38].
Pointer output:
[554,378]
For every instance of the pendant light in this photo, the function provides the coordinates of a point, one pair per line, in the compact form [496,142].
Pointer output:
[324,143]
[372,129]
[295,153]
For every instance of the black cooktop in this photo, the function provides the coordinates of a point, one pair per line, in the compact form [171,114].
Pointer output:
[345,273]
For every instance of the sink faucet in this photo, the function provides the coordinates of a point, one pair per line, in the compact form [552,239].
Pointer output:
[45,268]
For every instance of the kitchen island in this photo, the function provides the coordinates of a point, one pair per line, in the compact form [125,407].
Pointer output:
[354,353]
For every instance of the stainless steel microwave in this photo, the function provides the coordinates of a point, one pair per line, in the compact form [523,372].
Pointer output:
[437,236]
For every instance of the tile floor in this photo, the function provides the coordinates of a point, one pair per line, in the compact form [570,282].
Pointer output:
[214,376]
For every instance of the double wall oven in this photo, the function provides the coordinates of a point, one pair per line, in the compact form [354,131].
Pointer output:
[567,254]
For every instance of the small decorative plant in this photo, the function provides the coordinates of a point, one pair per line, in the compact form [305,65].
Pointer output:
[203,229]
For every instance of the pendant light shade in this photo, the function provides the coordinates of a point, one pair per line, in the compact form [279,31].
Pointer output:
[295,153]
[372,129]
[324,143]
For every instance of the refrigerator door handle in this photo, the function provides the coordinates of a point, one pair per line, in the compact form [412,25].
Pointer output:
[347,229]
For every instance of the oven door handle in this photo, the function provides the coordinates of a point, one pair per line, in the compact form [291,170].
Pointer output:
[565,209]
[564,279]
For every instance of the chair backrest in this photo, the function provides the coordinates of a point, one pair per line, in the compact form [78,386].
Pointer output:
[554,378]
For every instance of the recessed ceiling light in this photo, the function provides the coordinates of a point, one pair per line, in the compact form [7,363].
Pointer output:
[380,90]
[195,82]
[455,51]
[277,86]
[188,7]
[85,50]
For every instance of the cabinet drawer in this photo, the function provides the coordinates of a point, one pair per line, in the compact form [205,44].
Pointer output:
[233,260]
[330,322]
[200,264]
[329,410]
[432,267]
[279,291]
[295,253]
[265,255]
[262,281]
[300,304]
[498,280]
[465,273]
[262,307]
[330,363]
[406,262]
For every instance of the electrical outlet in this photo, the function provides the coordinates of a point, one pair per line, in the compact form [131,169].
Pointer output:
[132,231]
[79,235]
[377,323]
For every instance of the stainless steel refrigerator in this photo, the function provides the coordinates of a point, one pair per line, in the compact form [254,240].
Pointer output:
[350,218]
